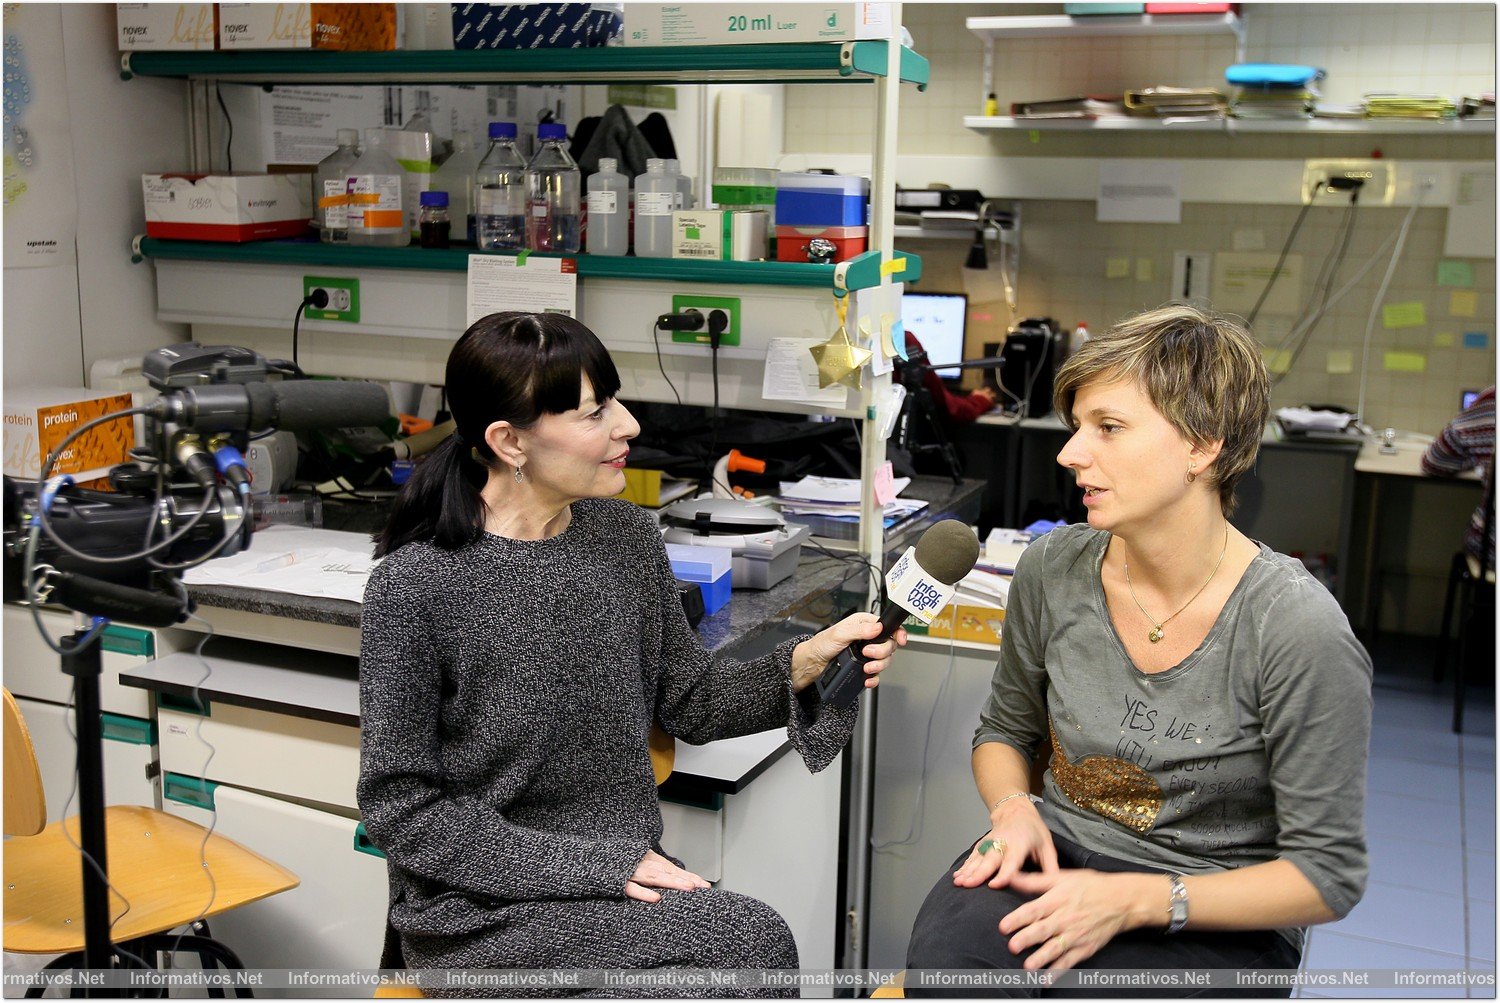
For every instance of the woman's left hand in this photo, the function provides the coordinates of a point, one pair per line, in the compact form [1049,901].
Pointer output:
[1076,913]
[812,656]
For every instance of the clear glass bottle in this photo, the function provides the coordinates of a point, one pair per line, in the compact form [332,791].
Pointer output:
[456,177]
[655,198]
[500,193]
[331,183]
[377,217]
[433,221]
[608,230]
[553,186]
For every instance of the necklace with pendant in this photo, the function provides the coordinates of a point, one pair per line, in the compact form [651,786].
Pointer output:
[1156,630]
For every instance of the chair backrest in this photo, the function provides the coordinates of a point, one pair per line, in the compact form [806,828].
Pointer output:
[25,801]
[663,753]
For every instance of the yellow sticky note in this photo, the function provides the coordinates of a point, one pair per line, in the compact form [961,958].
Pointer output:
[1117,268]
[887,322]
[1405,362]
[1413,314]
[1463,303]
[1442,339]
[1278,362]
[1340,362]
[893,267]
[1143,270]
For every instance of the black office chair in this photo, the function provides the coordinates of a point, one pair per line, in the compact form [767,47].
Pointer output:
[1471,582]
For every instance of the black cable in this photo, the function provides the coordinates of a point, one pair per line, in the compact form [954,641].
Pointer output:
[317,298]
[229,126]
[655,340]
[1276,272]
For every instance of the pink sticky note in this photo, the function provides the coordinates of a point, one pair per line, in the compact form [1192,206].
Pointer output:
[885,484]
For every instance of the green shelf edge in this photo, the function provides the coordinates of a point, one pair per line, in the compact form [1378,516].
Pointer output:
[784,62]
[748,273]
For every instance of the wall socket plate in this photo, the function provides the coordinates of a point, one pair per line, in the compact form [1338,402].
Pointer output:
[1191,271]
[343,298]
[1379,177]
[703,304]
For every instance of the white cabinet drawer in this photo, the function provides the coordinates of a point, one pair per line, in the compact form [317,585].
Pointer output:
[334,919]
[264,751]
[32,669]
[694,836]
[126,762]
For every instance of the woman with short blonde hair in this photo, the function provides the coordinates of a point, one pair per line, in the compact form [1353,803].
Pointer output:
[1203,704]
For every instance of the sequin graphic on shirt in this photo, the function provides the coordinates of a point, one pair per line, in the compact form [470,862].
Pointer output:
[1117,789]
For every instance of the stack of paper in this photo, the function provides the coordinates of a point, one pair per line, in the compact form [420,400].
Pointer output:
[308,562]
[1091,107]
[1003,548]
[1395,105]
[1482,107]
[813,499]
[1177,104]
[983,588]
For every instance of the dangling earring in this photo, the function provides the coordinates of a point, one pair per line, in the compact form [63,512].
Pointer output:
[1191,475]
[519,478]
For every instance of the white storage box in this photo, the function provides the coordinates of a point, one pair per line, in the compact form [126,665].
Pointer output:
[228,207]
[166,26]
[749,24]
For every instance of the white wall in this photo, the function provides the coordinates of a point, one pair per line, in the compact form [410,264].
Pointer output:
[59,320]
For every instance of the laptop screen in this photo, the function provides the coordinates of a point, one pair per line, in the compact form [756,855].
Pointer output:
[938,320]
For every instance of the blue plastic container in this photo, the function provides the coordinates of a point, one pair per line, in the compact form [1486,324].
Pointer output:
[810,207]
[709,567]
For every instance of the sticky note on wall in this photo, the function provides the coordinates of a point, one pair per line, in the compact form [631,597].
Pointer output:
[1413,314]
[1405,362]
[1278,362]
[1340,362]
[1117,268]
[1463,303]
[1442,339]
[1455,273]
[1476,339]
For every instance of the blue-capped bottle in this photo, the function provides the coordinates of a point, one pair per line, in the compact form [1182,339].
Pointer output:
[500,193]
[553,189]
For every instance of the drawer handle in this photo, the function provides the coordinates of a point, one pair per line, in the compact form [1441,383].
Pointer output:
[189,790]
[362,842]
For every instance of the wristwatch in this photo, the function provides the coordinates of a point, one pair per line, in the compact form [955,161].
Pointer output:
[1177,909]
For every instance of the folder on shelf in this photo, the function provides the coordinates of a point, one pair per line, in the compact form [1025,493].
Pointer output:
[1092,106]
[652,489]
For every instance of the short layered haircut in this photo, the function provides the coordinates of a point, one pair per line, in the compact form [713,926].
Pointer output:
[1202,371]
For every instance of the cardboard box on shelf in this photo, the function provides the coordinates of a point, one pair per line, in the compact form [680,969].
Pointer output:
[38,419]
[340,27]
[228,207]
[747,24]
[163,27]
[968,622]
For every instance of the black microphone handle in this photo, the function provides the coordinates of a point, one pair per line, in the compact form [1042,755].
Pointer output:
[844,678]
[119,602]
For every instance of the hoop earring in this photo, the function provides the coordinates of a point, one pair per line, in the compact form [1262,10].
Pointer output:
[1191,475]
[519,478]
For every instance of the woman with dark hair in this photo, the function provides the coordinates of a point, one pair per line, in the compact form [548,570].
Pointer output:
[519,638]
[1202,705]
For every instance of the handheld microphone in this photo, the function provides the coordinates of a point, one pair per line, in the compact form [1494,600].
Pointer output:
[919,584]
[291,405]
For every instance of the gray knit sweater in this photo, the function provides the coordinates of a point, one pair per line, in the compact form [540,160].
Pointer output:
[506,692]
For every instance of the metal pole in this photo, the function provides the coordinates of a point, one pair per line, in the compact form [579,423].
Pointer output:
[84,664]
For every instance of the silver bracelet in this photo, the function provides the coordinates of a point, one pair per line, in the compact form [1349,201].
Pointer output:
[1018,794]
[1177,908]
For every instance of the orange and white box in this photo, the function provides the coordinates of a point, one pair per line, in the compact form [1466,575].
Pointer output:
[38,419]
[229,207]
[165,27]
[347,27]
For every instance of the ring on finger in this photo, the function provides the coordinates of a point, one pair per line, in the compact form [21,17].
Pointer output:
[1062,944]
[986,845]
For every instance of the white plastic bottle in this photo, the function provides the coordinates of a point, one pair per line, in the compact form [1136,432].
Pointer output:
[500,193]
[377,217]
[331,183]
[553,188]
[684,184]
[655,198]
[456,177]
[609,210]
[1080,335]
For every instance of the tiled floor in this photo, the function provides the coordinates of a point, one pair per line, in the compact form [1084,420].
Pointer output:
[1430,822]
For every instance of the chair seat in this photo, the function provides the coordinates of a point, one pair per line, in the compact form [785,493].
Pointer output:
[394,991]
[153,862]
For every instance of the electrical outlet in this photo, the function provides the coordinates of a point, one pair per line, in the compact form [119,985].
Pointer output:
[1379,177]
[1190,275]
[704,304]
[343,298]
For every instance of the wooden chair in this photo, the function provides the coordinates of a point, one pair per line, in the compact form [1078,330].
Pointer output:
[154,865]
[663,748]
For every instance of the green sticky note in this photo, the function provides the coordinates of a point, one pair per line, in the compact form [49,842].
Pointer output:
[1455,273]
[1405,362]
[1340,362]
[521,258]
[1412,314]
[1117,268]
[1442,339]
[1463,303]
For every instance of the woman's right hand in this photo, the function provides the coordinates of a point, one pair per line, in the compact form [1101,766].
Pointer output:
[1017,834]
[656,871]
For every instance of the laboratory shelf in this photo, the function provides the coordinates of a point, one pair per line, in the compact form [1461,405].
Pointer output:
[858,273]
[787,62]
[1316,126]
[1061,25]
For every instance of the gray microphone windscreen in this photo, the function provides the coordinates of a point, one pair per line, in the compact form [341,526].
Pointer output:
[947,551]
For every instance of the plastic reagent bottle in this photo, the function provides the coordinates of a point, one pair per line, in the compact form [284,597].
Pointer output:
[376,215]
[609,210]
[456,177]
[553,184]
[655,197]
[331,183]
[500,193]
[684,184]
